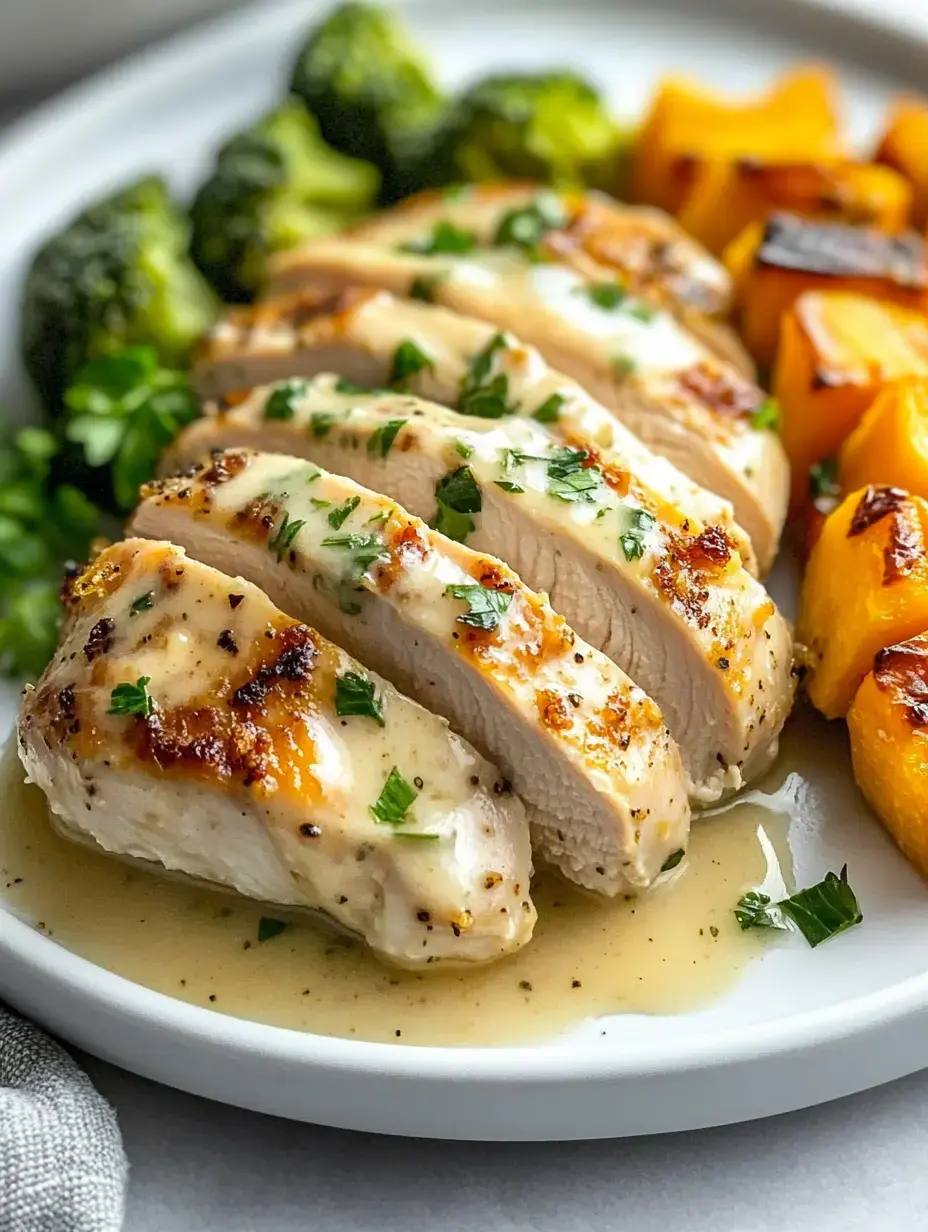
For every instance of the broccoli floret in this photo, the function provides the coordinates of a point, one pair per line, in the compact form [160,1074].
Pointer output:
[117,274]
[275,186]
[551,127]
[372,91]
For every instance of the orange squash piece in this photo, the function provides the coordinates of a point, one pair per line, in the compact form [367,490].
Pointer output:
[726,197]
[904,146]
[796,254]
[888,723]
[688,126]
[866,586]
[837,351]
[890,444]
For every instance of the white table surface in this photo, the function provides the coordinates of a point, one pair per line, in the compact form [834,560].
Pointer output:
[857,1165]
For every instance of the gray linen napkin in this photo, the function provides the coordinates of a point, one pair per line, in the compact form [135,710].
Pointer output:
[62,1166]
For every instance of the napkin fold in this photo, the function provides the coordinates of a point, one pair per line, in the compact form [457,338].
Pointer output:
[62,1164]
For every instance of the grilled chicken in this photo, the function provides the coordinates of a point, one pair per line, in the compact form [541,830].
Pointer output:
[585,748]
[642,248]
[186,721]
[638,361]
[360,333]
[665,598]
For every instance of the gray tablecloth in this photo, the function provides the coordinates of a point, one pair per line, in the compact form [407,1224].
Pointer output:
[62,1165]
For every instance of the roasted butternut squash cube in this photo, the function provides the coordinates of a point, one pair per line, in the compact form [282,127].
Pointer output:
[836,353]
[888,723]
[689,126]
[796,254]
[726,197]
[890,444]
[866,586]
[904,146]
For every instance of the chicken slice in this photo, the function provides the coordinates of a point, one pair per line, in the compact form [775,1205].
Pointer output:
[186,721]
[636,360]
[669,602]
[642,248]
[585,748]
[359,333]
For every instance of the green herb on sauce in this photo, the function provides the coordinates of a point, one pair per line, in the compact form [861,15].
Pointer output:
[508,486]
[425,286]
[394,801]
[606,295]
[822,911]
[132,698]
[483,395]
[463,450]
[340,514]
[767,415]
[444,237]
[320,423]
[550,409]
[527,226]
[623,366]
[673,860]
[355,695]
[287,531]
[282,402]
[268,927]
[485,608]
[458,496]
[364,550]
[635,525]
[381,439]
[143,603]
[823,480]
[570,478]
[408,360]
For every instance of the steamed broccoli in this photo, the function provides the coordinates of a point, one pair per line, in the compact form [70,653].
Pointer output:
[550,127]
[274,186]
[369,86]
[117,275]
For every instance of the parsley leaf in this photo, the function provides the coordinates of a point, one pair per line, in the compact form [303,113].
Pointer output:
[365,550]
[673,860]
[606,295]
[481,395]
[286,532]
[444,237]
[623,366]
[337,518]
[355,695]
[569,479]
[526,226]
[485,608]
[268,927]
[823,479]
[753,911]
[408,360]
[458,496]
[394,801]
[550,409]
[507,486]
[424,287]
[382,438]
[635,525]
[320,423]
[344,386]
[282,402]
[132,698]
[463,450]
[142,604]
[767,415]
[823,910]
[641,312]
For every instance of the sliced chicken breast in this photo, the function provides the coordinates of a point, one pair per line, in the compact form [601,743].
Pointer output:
[666,599]
[585,748]
[365,335]
[642,248]
[186,721]
[636,360]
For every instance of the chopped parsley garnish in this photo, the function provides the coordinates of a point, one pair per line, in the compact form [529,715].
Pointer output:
[444,237]
[312,473]
[527,226]
[383,516]
[132,698]
[606,295]
[507,486]
[408,360]
[823,910]
[673,860]
[365,550]
[635,525]
[282,402]
[320,423]
[823,479]
[340,514]
[767,415]
[318,503]
[344,386]
[394,801]
[550,409]
[463,450]
[423,836]
[569,479]
[424,287]
[142,603]
[286,532]
[355,695]
[458,496]
[483,395]
[485,608]
[268,927]
[623,366]
[641,312]
[382,438]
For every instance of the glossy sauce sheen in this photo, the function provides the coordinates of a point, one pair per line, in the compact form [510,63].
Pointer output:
[674,949]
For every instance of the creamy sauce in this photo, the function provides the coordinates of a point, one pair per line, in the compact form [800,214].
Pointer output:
[669,951]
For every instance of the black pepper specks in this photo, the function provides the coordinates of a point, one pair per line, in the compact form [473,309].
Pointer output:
[227,642]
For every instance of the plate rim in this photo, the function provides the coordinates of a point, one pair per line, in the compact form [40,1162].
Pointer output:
[157,67]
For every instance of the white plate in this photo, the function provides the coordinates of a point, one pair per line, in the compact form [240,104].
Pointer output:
[801,1026]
